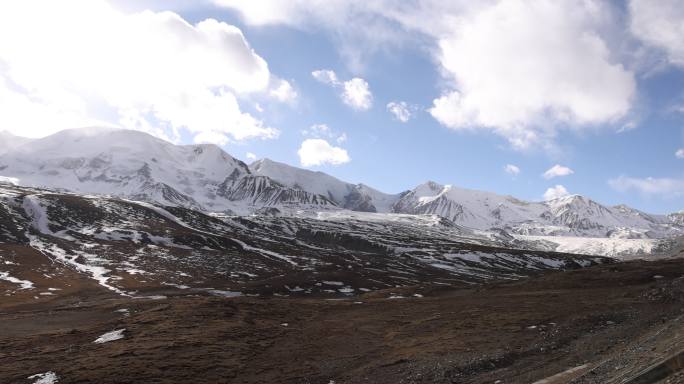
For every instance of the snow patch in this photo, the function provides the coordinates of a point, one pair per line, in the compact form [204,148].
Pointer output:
[222,293]
[110,336]
[98,273]
[339,283]
[265,252]
[9,180]
[25,284]
[44,378]
[612,247]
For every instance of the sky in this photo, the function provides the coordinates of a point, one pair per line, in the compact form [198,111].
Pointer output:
[531,99]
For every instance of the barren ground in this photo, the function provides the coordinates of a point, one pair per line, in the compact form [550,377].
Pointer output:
[618,319]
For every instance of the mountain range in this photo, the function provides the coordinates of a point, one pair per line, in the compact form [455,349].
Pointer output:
[138,166]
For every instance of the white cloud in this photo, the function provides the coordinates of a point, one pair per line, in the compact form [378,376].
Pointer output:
[663,187]
[555,192]
[680,153]
[357,94]
[377,21]
[83,62]
[341,138]
[283,91]
[557,171]
[628,126]
[266,12]
[677,108]
[360,27]
[250,156]
[326,76]
[401,110]
[318,152]
[521,69]
[36,115]
[323,131]
[525,69]
[660,24]
[318,131]
[512,169]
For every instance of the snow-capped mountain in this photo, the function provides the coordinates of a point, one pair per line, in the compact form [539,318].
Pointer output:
[677,217]
[572,215]
[470,208]
[355,197]
[9,141]
[139,166]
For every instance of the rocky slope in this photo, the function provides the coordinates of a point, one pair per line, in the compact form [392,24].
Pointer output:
[130,247]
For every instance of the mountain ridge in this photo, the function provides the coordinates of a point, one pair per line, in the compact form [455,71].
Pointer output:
[139,166]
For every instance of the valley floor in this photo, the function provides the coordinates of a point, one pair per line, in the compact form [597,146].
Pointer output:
[611,321]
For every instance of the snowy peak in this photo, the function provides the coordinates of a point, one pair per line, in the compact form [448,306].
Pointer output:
[73,158]
[460,206]
[579,205]
[9,141]
[357,197]
[136,165]
[428,189]
[573,215]
[312,181]
[582,213]
[208,155]
[578,212]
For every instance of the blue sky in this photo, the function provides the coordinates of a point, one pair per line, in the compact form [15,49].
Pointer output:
[603,100]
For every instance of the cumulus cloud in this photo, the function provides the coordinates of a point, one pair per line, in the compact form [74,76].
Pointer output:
[401,110]
[326,76]
[555,192]
[323,131]
[557,171]
[680,153]
[375,20]
[250,156]
[83,62]
[525,69]
[32,114]
[355,93]
[266,12]
[512,169]
[649,186]
[283,91]
[521,69]
[660,24]
[319,152]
